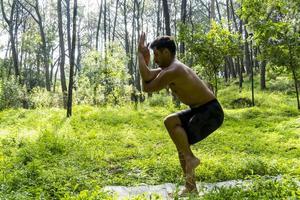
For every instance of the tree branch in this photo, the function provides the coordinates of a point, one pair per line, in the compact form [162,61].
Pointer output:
[29,12]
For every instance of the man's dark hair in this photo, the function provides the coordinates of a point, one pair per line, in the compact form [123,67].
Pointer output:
[162,42]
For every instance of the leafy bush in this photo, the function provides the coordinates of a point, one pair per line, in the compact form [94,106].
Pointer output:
[12,95]
[41,98]
[104,80]
[160,99]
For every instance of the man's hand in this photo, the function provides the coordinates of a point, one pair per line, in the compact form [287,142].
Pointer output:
[144,49]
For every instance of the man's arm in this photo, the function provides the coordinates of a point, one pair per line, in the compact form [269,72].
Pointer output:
[144,58]
[146,73]
[162,80]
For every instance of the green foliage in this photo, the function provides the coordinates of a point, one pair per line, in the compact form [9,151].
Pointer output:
[41,98]
[4,65]
[210,49]
[44,155]
[258,188]
[12,95]
[104,80]
[160,99]
[276,31]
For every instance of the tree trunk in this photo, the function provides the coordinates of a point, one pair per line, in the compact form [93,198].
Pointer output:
[240,73]
[226,72]
[183,21]
[127,47]
[228,15]
[247,53]
[10,23]
[68,26]
[263,75]
[72,61]
[252,73]
[62,55]
[219,13]
[98,26]
[44,47]
[158,23]
[137,74]
[115,21]
[233,16]
[78,59]
[167,17]
[105,33]
[294,75]
[212,11]
[296,87]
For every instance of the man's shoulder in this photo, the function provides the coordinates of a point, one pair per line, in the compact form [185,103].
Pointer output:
[176,67]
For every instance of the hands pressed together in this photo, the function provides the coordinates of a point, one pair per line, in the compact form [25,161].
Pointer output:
[144,50]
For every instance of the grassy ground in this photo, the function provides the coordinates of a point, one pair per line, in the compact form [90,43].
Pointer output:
[44,155]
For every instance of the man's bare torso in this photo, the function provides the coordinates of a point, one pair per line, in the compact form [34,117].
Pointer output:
[188,87]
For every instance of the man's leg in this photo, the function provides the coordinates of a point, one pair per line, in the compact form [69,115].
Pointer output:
[179,137]
[182,162]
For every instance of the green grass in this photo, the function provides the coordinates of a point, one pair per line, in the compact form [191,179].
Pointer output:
[44,155]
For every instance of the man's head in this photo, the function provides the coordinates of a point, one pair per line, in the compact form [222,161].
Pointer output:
[164,48]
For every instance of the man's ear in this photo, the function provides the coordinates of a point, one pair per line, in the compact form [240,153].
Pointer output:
[167,52]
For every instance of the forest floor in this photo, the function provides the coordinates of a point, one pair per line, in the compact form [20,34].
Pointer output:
[44,155]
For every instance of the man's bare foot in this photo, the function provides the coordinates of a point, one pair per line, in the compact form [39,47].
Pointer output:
[191,164]
[190,182]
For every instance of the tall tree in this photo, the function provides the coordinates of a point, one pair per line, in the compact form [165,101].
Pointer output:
[212,10]
[72,62]
[11,23]
[167,17]
[158,23]
[183,21]
[115,21]
[98,26]
[62,54]
[37,17]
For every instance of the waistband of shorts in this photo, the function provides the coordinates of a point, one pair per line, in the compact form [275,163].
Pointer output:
[204,105]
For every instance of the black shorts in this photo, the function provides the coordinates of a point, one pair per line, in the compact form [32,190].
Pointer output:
[201,121]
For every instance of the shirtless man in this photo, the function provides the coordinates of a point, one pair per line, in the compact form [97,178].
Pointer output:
[189,126]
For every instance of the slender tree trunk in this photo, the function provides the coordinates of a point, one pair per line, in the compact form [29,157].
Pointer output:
[115,21]
[54,82]
[167,17]
[105,32]
[219,13]
[233,16]
[44,48]
[296,86]
[294,75]
[62,55]
[137,74]
[158,23]
[226,72]
[212,11]
[239,70]
[252,74]
[68,26]
[98,26]
[247,53]
[183,21]
[78,59]
[10,23]
[228,15]
[263,75]
[127,47]
[72,62]
[132,63]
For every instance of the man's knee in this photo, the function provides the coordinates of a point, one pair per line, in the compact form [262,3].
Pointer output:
[171,121]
